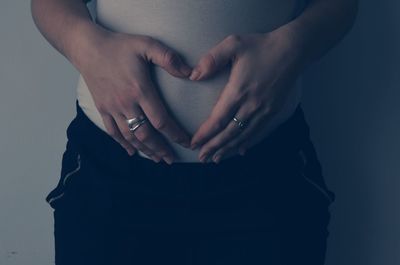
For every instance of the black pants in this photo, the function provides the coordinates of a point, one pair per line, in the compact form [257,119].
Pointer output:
[270,206]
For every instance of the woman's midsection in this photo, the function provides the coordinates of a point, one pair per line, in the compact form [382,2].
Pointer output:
[191,28]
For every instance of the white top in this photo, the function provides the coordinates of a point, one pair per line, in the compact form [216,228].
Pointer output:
[191,28]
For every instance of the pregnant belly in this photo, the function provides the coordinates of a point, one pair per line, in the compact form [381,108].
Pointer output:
[191,28]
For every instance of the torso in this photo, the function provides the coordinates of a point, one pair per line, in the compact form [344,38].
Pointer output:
[191,28]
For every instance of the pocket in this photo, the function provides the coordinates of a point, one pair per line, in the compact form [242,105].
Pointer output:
[311,172]
[71,167]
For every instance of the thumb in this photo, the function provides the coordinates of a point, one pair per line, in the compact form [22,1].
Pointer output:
[213,61]
[167,59]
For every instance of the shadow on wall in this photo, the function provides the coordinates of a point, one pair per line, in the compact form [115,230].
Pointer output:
[351,98]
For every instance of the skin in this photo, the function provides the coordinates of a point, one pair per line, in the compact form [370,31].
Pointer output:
[263,69]
[125,60]
[262,75]
[121,87]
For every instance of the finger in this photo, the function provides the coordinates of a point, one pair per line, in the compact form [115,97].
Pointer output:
[244,114]
[160,118]
[260,127]
[120,120]
[247,143]
[168,59]
[145,135]
[215,59]
[114,132]
[139,145]
[226,106]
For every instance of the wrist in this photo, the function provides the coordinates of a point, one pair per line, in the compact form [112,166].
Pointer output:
[288,48]
[293,41]
[88,38]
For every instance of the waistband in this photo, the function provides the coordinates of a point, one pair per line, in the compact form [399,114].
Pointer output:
[110,157]
[276,149]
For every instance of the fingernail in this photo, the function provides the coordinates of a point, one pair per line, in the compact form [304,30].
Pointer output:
[217,158]
[204,158]
[201,159]
[194,75]
[169,160]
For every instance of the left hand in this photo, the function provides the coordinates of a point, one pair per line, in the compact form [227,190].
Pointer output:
[264,69]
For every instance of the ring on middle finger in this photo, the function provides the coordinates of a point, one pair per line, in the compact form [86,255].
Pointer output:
[135,123]
[134,120]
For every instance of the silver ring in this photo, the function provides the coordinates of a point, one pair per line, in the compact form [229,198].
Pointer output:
[240,123]
[134,120]
[136,125]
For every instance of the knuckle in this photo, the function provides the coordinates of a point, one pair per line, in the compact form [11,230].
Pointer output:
[137,90]
[234,39]
[170,57]
[147,41]
[209,60]
[160,124]
[143,135]
[255,104]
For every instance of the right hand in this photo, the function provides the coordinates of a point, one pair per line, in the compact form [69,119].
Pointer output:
[117,73]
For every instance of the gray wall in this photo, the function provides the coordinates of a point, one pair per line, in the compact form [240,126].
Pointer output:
[350,102]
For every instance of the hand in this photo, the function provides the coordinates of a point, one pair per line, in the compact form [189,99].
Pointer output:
[116,70]
[264,68]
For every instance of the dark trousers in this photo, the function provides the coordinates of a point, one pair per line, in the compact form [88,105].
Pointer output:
[270,206]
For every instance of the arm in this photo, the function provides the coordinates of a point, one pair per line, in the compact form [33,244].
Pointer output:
[264,69]
[320,27]
[67,26]
[121,88]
